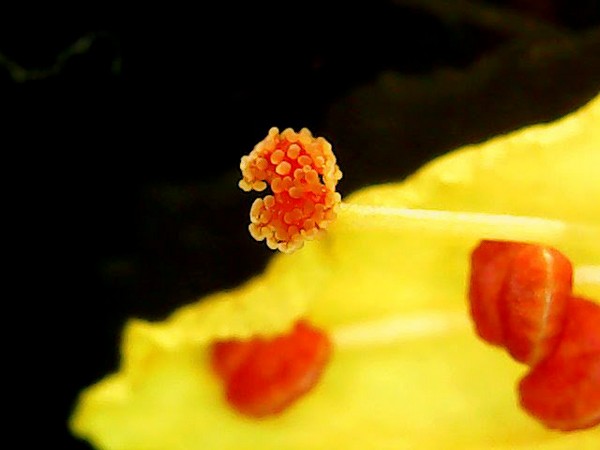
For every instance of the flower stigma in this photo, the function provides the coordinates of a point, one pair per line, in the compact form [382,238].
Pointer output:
[302,173]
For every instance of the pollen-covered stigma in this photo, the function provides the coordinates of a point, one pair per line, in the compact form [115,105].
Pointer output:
[302,174]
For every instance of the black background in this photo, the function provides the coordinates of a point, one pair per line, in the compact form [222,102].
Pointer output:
[120,160]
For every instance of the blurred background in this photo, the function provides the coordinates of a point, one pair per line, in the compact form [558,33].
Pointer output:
[123,133]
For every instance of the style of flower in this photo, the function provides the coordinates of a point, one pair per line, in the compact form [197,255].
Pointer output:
[387,285]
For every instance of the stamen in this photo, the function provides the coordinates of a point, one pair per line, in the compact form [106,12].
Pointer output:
[264,377]
[521,299]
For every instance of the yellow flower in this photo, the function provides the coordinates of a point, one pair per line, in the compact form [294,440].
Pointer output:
[407,370]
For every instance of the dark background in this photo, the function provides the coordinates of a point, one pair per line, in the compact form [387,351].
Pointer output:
[122,135]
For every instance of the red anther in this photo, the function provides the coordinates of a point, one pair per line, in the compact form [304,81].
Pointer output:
[489,264]
[265,376]
[533,302]
[563,391]
[518,294]
[520,298]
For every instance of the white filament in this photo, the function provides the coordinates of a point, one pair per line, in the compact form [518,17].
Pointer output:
[399,328]
[487,226]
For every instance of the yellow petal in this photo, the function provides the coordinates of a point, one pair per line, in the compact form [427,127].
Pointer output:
[407,371]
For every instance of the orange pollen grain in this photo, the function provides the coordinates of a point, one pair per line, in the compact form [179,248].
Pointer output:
[302,174]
